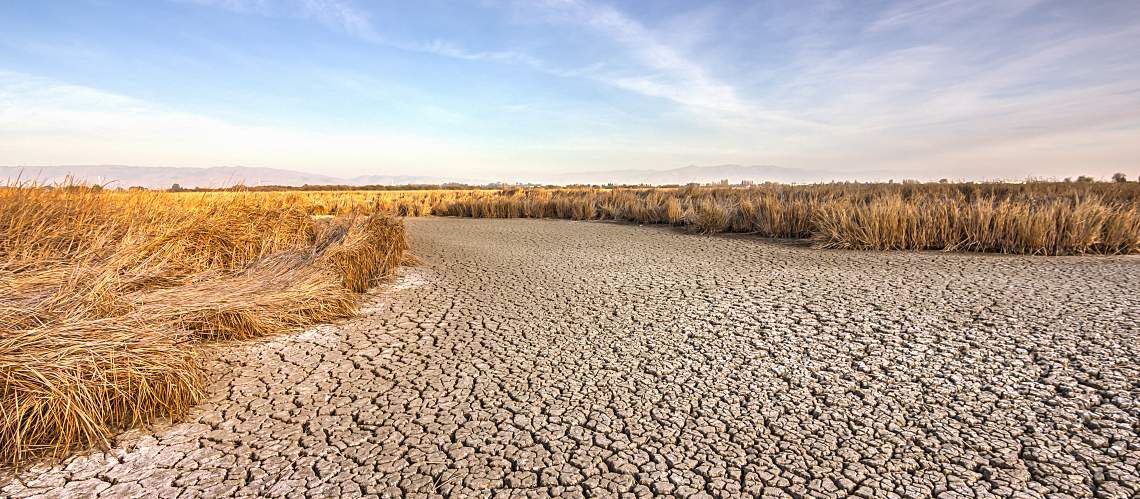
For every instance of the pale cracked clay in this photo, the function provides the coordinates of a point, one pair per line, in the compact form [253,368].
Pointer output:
[536,358]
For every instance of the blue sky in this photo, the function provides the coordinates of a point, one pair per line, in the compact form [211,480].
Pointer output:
[940,88]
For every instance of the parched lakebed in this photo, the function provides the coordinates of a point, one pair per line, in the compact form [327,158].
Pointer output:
[571,358]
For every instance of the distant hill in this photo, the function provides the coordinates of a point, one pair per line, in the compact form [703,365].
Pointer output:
[162,177]
[407,180]
[708,174]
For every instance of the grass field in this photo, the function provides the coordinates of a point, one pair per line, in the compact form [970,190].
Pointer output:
[1036,218]
[105,298]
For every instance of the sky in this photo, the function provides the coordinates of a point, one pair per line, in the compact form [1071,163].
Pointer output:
[927,88]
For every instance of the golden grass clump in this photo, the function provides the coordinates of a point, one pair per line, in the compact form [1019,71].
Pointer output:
[105,298]
[710,216]
[72,384]
[368,249]
[674,214]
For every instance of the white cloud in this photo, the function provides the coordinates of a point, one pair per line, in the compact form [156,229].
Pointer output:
[658,69]
[666,72]
[47,122]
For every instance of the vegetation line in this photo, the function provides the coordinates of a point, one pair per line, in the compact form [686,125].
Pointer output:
[1035,218]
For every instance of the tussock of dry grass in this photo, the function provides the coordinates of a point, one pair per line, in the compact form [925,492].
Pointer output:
[74,383]
[710,216]
[105,296]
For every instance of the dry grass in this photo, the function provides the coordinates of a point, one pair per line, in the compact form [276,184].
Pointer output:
[105,297]
[1040,218]
[1030,218]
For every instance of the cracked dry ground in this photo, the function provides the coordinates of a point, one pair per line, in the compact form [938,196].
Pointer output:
[550,357]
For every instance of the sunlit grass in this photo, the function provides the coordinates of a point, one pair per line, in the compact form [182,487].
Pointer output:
[104,298]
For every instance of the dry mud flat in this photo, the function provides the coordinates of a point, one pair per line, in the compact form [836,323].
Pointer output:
[531,357]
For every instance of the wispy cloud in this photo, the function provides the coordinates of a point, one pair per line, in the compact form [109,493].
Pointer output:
[934,85]
[674,76]
[345,17]
[65,50]
[337,14]
[340,14]
[448,49]
[927,14]
[660,69]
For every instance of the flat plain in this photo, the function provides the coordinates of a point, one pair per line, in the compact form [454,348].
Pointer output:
[545,357]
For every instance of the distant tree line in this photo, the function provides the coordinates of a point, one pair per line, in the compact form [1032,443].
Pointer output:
[1082,179]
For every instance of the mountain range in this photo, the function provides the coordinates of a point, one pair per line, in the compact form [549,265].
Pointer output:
[710,174]
[225,176]
[158,177]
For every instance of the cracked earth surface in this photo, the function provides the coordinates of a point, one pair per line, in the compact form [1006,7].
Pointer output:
[532,357]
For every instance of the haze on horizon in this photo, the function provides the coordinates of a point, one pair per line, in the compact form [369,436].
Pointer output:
[934,88]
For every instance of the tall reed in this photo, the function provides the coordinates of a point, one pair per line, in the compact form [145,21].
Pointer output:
[1031,218]
[1041,218]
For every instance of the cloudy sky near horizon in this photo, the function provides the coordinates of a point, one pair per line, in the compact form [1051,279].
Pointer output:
[927,88]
